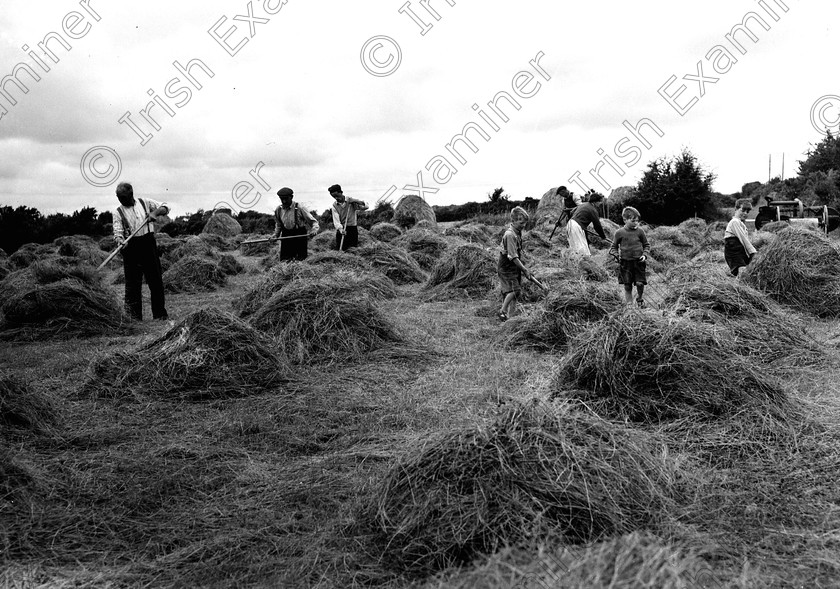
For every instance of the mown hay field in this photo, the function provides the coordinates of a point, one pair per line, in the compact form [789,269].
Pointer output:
[367,421]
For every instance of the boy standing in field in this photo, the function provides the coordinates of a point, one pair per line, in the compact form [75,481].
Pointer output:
[510,267]
[738,250]
[630,244]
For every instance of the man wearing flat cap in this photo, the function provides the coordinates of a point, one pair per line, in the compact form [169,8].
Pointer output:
[292,220]
[344,212]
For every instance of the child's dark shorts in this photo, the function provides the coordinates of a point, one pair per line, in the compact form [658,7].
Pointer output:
[631,272]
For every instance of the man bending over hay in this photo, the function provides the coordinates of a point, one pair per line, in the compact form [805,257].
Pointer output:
[344,218]
[584,215]
[140,255]
[290,220]
[510,267]
[738,250]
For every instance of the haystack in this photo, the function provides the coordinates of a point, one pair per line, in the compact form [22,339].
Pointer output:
[223,225]
[426,247]
[208,355]
[316,321]
[393,262]
[25,255]
[386,232]
[645,367]
[467,268]
[194,274]
[343,281]
[230,266]
[192,246]
[80,247]
[549,208]
[538,471]
[411,209]
[23,412]
[801,269]
[758,327]
[222,244]
[58,299]
[569,308]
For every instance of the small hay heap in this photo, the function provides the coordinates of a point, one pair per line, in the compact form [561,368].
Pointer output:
[426,247]
[22,411]
[468,267]
[320,321]
[393,262]
[59,298]
[801,269]
[194,274]
[411,209]
[568,309]
[192,246]
[538,471]
[385,231]
[223,225]
[208,355]
[343,281]
[646,368]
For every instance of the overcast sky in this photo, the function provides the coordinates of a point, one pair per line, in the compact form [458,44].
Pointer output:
[323,92]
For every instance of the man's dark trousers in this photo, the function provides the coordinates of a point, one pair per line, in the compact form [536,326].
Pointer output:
[140,259]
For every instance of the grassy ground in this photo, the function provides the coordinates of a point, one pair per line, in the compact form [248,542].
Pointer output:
[262,491]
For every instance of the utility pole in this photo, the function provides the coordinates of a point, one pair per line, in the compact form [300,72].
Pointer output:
[783,166]
[769,165]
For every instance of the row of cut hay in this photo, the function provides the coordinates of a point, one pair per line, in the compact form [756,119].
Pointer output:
[193,246]
[630,561]
[800,269]
[466,269]
[194,274]
[646,367]
[344,282]
[82,248]
[59,298]
[218,242]
[538,471]
[393,262]
[209,354]
[28,254]
[570,307]
[24,412]
[386,232]
[313,321]
[256,249]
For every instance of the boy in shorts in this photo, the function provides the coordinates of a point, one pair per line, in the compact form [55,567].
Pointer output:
[510,267]
[631,246]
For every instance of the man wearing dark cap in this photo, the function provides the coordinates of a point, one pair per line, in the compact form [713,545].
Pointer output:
[140,255]
[344,211]
[293,220]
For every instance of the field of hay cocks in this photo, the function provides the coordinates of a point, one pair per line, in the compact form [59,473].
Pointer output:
[363,419]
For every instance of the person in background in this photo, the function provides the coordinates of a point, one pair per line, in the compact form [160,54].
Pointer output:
[344,214]
[738,250]
[140,255]
[290,220]
[585,214]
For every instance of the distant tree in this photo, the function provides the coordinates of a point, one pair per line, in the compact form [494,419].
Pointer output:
[748,189]
[823,157]
[18,226]
[671,191]
[381,213]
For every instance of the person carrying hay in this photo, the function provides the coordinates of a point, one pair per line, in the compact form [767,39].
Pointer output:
[584,215]
[344,211]
[290,220]
[631,247]
[140,255]
[510,267]
[570,202]
[738,250]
